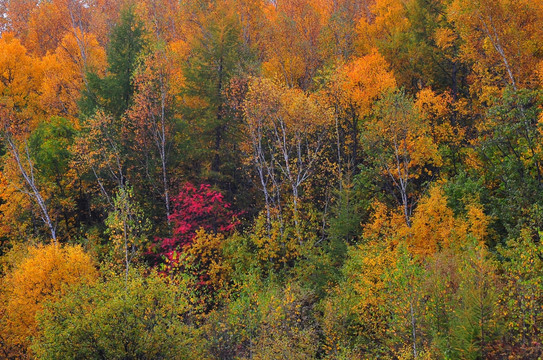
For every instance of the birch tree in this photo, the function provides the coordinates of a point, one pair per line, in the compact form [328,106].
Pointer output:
[285,129]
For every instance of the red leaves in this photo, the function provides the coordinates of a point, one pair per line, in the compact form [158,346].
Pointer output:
[193,209]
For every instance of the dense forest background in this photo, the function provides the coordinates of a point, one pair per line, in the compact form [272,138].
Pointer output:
[271,179]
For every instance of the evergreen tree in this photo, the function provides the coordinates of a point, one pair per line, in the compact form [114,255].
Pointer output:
[217,56]
[114,92]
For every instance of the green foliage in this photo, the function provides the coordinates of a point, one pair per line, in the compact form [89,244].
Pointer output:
[217,56]
[345,228]
[127,227]
[476,323]
[511,155]
[405,302]
[266,320]
[114,92]
[142,318]
[440,285]
[50,145]
[346,220]
[522,295]
[463,189]
[51,150]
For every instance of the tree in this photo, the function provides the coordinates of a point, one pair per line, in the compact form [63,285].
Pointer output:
[216,56]
[265,321]
[499,38]
[285,129]
[476,323]
[435,226]
[41,26]
[65,72]
[44,275]
[103,108]
[355,315]
[114,93]
[401,148]
[345,221]
[25,165]
[100,151]
[351,92]
[418,41]
[339,31]
[291,41]
[51,152]
[127,227]
[508,149]
[406,301]
[21,75]
[141,318]
[153,115]
[522,294]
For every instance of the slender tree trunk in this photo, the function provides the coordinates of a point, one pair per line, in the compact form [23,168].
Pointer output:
[162,149]
[492,33]
[338,144]
[31,182]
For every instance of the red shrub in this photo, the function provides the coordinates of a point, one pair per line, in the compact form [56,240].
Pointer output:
[195,208]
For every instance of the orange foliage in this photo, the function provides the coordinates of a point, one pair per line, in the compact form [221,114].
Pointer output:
[65,71]
[44,275]
[385,224]
[20,77]
[434,225]
[14,205]
[291,39]
[361,81]
[502,38]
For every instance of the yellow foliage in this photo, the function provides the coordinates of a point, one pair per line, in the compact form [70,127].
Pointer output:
[373,259]
[206,254]
[388,16]
[433,225]
[478,222]
[43,276]
[283,334]
[276,245]
[401,138]
[284,69]
[290,40]
[445,38]
[438,109]
[358,306]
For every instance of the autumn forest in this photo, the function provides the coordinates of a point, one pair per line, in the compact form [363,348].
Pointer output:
[271,179]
